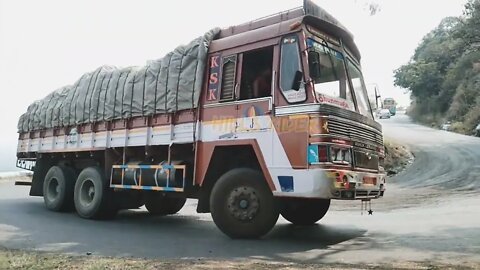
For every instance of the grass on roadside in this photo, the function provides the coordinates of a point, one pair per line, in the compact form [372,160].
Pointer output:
[16,259]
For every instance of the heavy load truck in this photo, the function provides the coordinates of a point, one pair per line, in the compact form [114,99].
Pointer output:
[256,120]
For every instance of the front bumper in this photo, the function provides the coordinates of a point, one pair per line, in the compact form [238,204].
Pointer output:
[320,183]
[353,185]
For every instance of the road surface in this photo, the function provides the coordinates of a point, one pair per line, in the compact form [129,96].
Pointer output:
[431,212]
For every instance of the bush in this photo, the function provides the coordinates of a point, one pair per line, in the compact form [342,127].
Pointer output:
[397,157]
[459,127]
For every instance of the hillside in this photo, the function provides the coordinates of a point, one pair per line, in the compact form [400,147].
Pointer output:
[443,75]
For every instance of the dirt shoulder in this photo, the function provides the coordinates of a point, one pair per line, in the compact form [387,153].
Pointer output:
[397,157]
[23,176]
[15,259]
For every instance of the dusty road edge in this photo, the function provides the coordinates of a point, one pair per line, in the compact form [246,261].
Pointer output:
[16,259]
[397,157]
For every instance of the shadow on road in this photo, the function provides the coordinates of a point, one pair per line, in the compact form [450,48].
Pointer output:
[27,224]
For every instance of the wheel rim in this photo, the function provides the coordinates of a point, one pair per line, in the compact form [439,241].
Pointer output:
[87,192]
[243,204]
[53,189]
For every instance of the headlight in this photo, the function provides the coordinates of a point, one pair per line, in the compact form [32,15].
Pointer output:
[347,156]
[340,155]
[333,154]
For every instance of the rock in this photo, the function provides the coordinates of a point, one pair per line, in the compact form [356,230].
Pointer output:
[391,172]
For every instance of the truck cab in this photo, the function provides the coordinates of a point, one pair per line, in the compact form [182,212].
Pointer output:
[313,130]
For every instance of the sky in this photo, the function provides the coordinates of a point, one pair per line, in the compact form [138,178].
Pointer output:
[47,44]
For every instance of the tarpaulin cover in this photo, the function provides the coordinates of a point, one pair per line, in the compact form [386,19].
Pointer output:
[169,84]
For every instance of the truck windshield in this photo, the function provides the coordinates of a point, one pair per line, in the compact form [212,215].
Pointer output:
[359,89]
[327,70]
[329,75]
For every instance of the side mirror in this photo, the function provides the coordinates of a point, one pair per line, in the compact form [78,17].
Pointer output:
[297,80]
[377,97]
[314,63]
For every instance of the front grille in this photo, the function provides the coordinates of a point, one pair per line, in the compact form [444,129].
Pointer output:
[354,131]
[366,141]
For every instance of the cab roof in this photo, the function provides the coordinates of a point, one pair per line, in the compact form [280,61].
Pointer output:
[281,23]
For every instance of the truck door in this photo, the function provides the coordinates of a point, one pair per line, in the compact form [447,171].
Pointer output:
[220,110]
[291,124]
[238,101]
[254,103]
[239,95]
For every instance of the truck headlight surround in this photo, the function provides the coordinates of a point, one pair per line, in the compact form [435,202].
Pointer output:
[340,155]
[333,154]
[347,156]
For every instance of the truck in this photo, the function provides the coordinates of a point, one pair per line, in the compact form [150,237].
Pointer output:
[390,104]
[257,120]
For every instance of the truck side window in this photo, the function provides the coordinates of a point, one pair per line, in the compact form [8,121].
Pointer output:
[257,73]
[291,70]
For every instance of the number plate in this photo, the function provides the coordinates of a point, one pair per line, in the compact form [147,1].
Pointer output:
[370,180]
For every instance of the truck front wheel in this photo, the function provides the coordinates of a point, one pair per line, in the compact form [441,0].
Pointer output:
[58,188]
[242,204]
[93,197]
[157,204]
[304,211]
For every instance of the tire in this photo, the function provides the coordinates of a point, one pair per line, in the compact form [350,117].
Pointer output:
[242,205]
[304,211]
[157,204]
[58,187]
[93,197]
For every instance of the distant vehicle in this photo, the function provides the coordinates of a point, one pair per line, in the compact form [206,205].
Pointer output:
[447,126]
[383,113]
[477,130]
[391,105]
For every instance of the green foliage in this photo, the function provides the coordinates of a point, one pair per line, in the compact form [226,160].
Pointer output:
[443,75]
[470,30]
[459,127]
[421,77]
[464,99]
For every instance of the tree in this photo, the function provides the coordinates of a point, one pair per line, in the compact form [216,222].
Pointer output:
[470,30]
[443,75]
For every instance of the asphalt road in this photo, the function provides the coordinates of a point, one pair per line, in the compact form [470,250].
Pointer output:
[431,212]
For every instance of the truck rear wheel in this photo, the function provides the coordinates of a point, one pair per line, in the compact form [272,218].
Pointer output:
[157,204]
[93,197]
[242,205]
[304,211]
[58,188]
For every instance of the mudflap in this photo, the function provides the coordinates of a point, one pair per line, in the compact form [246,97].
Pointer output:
[41,168]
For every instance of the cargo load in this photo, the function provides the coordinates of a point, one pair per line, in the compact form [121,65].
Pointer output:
[165,85]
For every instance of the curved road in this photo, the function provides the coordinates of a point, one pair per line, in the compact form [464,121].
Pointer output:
[431,212]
